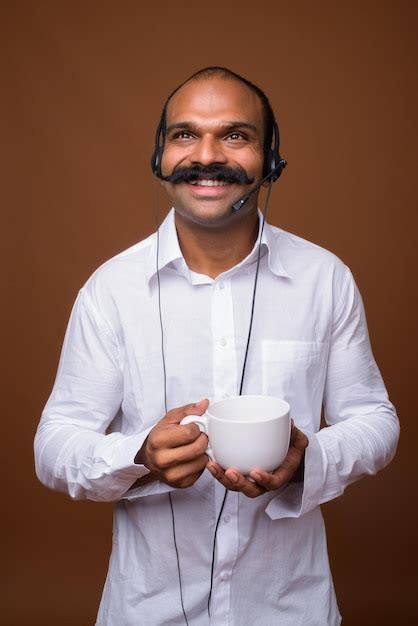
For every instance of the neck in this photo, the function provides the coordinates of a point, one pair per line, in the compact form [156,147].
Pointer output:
[211,251]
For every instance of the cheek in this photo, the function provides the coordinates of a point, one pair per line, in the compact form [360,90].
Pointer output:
[170,190]
[172,157]
[166,165]
[251,160]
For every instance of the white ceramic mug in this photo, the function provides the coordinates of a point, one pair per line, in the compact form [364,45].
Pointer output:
[246,432]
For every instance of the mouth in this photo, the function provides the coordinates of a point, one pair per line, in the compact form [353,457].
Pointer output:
[208,189]
[209,183]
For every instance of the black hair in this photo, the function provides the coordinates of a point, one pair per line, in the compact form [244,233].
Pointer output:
[223,72]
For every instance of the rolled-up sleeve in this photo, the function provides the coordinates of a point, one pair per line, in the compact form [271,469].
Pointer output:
[363,428]
[73,453]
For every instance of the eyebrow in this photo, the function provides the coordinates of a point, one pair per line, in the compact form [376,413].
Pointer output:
[225,125]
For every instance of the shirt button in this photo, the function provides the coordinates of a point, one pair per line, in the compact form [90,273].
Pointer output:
[224,576]
[226,519]
[221,286]
[222,341]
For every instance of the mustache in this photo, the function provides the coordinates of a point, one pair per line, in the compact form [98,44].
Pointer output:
[222,173]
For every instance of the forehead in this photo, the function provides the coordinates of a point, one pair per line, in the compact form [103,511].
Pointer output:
[215,100]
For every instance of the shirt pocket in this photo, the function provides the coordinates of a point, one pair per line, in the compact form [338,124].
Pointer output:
[295,371]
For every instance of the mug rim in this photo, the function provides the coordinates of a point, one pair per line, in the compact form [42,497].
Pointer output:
[285,413]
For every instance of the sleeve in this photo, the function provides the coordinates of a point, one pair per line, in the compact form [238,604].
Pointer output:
[363,429]
[73,453]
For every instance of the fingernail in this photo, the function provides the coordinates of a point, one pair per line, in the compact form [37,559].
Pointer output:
[256,476]
[233,478]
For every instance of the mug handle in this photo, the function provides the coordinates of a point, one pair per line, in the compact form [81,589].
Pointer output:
[202,423]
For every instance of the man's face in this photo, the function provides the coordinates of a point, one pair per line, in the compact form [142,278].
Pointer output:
[213,122]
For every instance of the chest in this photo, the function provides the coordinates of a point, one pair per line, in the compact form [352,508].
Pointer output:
[193,341]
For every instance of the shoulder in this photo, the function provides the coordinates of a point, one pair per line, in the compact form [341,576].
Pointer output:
[117,274]
[315,272]
[300,256]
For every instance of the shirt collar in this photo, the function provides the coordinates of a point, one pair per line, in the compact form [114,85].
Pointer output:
[169,248]
[270,240]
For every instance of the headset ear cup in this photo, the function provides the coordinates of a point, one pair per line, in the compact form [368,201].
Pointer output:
[156,161]
[159,148]
[271,163]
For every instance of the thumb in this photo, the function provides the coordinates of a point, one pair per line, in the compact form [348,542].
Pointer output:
[196,408]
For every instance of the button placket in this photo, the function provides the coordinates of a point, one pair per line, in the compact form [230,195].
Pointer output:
[224,384]
[226,555]
[223,332]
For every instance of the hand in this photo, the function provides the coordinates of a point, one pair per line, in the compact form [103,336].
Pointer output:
[175,454]
[264,481]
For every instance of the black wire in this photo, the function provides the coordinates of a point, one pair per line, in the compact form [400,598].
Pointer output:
[212,567]
[178,560]
[159,293]
[265,208]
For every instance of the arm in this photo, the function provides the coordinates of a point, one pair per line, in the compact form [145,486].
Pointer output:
[73,453]
[363,427]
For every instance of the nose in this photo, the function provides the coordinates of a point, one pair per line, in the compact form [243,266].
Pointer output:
[208,151]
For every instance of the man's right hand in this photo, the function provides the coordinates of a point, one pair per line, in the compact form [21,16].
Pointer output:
[175,454]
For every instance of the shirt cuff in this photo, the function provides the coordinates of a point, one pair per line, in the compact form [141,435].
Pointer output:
[129,472]
[296,499]
[123,461]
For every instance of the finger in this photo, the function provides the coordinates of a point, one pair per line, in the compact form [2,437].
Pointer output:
[184,474]
[270,481]
[176,415]
[172,436]
[198,408]
[234,480]
[183,454]
[298,439]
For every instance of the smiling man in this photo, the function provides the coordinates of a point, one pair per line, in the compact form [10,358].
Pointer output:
[179,319]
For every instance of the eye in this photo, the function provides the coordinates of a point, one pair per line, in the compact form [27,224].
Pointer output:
[236,136]
[182,134]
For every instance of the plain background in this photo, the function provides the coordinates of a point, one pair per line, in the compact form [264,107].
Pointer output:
[83,85]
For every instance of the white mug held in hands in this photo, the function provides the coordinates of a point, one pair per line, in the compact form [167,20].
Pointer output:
[246,432]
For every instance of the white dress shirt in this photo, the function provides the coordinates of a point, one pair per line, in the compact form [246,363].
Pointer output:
[309,346]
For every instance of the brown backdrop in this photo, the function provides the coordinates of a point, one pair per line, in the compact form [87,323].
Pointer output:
[84,83]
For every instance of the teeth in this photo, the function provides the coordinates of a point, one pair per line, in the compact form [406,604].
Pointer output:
[208,183]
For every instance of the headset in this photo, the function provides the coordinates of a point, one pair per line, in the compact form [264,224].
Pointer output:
[272,167]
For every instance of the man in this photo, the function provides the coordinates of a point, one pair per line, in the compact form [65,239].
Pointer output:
[165,324]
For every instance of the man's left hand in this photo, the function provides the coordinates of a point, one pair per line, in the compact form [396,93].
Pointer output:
[264,481]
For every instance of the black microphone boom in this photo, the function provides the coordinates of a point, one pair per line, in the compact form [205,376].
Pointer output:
[277,170]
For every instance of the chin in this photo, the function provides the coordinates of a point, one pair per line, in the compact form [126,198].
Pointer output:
[205,214]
